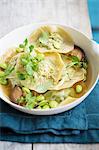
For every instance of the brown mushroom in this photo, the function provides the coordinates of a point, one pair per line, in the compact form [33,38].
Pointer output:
[16,93]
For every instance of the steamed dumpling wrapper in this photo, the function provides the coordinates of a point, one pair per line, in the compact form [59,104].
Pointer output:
[48,74]
[52,39]
[70,75]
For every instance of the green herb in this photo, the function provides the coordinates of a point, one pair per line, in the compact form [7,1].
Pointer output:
[25,42]
[21,76]
[24,61]
[31,47]
[21,46]
[35,64]
[44,38]
[75,59]
[29,69]
[31,103]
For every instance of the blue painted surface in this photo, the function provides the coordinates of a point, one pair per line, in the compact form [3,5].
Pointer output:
[93,6]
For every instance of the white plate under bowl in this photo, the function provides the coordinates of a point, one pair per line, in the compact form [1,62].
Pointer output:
[90,47]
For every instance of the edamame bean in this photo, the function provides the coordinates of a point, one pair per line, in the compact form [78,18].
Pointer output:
[53,104]
[46,106]
[24,89]
[40,98]
[42,103]
[79,88]
[39,107]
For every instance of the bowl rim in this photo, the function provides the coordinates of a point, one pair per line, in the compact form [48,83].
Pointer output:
[78,100]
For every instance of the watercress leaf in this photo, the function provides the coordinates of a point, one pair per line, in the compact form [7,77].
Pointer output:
[75,59]
[21,46]
[35,67]
[29,69]
[25,42]
[31,47]
[21,76]
[24,61]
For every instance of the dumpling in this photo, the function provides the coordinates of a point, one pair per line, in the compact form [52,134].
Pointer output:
[70,76]
[49,73]
[52,39]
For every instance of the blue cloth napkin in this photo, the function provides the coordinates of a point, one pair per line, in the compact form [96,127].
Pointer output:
[93,6]
[78,125]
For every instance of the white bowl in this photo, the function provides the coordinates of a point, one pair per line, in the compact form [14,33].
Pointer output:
[90,47]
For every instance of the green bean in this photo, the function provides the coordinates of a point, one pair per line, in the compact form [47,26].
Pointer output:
[79,88]
[53,104]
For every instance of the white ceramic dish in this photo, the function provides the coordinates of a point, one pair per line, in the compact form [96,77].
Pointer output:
[90,47]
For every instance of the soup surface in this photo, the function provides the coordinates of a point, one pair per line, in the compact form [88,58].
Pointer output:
[46,71]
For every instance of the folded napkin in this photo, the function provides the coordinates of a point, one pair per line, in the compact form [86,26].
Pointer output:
[78,125]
